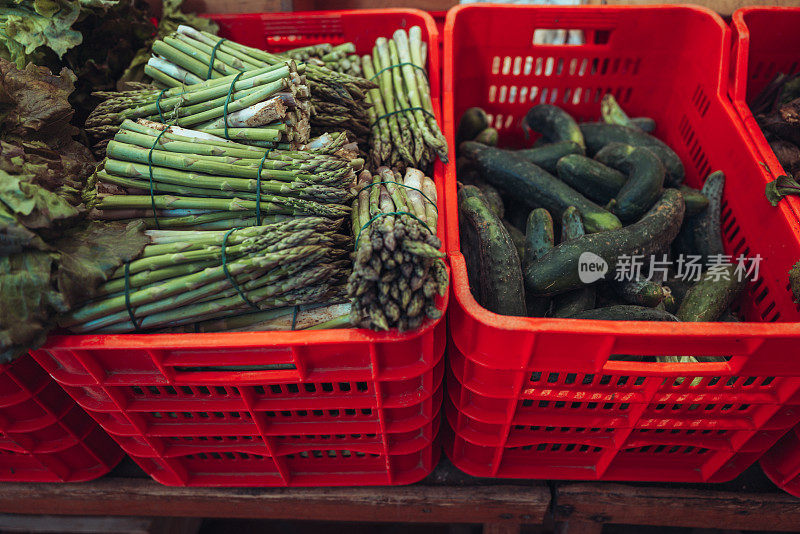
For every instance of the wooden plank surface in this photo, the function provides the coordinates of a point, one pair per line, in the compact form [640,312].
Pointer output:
[419,504]
[680,507]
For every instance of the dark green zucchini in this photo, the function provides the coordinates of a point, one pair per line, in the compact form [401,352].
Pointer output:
[558,271]
[707,224]
[547,156]
[581,299]
[535,187]
[553,123]
[467,191]
[539,240]
[645,179]
[694,199]
[517,237]
[473,122]
[590,178]
[493,265]
[708,299]
[626,313]
[599,134]
[493,198]
[488,136]
[643,292]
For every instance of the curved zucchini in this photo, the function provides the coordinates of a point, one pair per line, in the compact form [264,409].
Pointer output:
[626,313]
[599,134]
[645,179]
[539,240]
[553,123]
[557,272]
[493,265]
[590,178]
[468,191]
[473,122]
[694,199]
[612,113]
[708,299]
[547,156]
[535,187]
[707,224]
[488,136]
[581,299]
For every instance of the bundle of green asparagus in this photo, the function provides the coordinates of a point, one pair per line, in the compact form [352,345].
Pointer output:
[174,178]
[184,277]
[261,107]
[398,268]
[190,56]
[341,58]
[404,129]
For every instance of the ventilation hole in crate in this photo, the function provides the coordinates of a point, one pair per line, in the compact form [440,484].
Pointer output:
[553,96]
[509,121]
[502,96]
[710,407]
[361,386]
[512,94]
[552,378]
[576,96]
[767,311]
[498,121]
[543,95]
[517,65]
[137,391]
[605,380]
[584,67]
[526,70]
[560,66]
[344,386]
[598,94]
[492,93]
[489,118]
[523,94]
[275,388]
[154,390]
[292,388]
[588,379]
[639,381]
[537,69]
[506,65]
[496,65]
[570,378]
[575,405]
[536,376]
[549,65]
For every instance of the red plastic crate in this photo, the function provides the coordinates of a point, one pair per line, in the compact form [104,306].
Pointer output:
[44,435]
[553,377]
[782,463]
[337,407]
[766,42]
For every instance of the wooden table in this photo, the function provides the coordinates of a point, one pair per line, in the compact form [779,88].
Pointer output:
[447,496]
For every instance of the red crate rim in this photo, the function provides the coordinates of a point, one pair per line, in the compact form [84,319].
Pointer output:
[277,338]
[742,44]
[656,330]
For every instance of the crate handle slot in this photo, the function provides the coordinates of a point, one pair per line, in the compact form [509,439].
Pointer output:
[283,372]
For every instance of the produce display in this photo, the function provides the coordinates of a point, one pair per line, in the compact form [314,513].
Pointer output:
[235,190]
[594,222]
